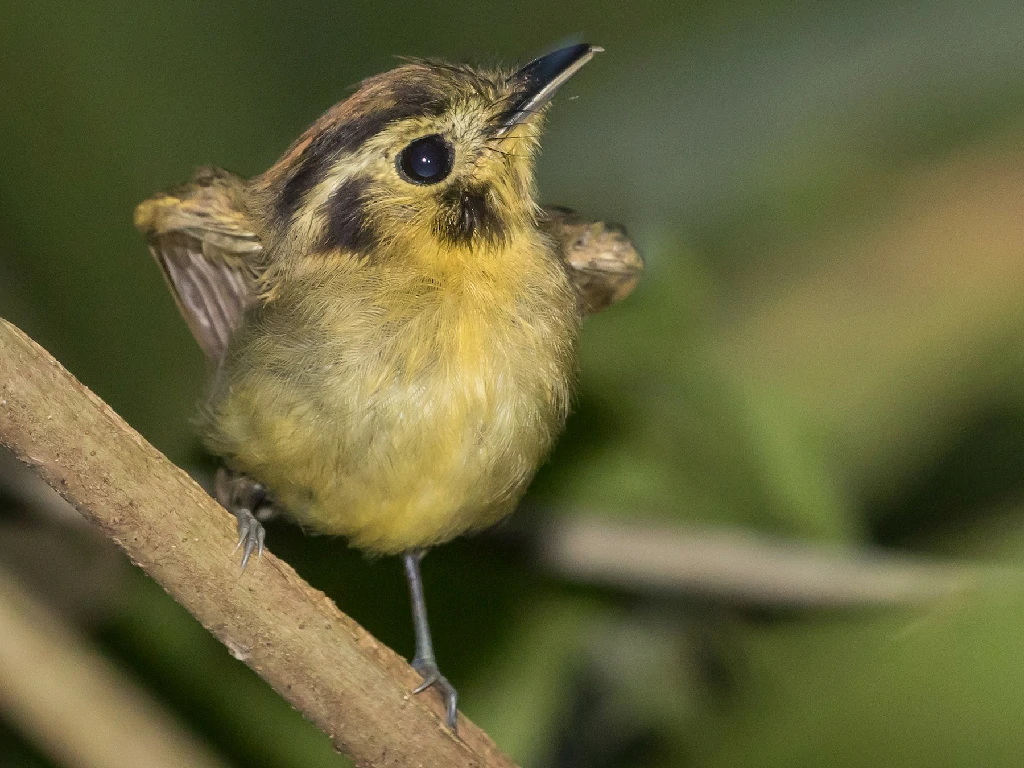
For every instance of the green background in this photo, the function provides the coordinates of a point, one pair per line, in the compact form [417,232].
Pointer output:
[826,345]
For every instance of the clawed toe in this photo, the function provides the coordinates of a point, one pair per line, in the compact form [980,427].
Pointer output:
[250,536]
[432,678]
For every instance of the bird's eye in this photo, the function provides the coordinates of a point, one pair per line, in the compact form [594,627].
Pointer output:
[426,161]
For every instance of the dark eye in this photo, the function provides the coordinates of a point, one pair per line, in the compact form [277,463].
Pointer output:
[426,161]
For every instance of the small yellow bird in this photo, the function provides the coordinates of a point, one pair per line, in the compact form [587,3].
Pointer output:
[391,318]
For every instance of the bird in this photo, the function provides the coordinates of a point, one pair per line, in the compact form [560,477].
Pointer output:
[390,318]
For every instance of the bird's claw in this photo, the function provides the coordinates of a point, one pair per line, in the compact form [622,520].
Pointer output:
[250,536]
[432,678]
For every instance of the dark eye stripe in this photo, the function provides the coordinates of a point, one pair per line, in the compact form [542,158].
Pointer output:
[411,100]
[348,227]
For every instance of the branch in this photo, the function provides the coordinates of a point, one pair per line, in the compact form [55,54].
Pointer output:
[355,689]
[74,704]
[751,569]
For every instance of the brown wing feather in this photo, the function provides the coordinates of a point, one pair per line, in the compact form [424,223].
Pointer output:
[601,259]
[202,241]
[211,296]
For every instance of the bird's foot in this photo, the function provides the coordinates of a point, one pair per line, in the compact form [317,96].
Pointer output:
[246,499]
[432,678]
[250,535]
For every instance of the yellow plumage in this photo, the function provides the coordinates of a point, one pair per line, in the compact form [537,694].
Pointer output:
[392,319]
[401,402]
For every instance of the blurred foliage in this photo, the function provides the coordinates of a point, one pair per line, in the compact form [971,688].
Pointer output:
[826,345]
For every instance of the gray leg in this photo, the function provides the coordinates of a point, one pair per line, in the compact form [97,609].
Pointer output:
[424,661]
[243,497]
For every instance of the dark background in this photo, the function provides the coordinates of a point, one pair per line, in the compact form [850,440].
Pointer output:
[826,346]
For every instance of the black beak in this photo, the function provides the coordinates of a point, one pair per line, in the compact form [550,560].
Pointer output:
[536,83]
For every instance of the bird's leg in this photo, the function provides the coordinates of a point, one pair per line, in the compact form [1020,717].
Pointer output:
[243,497]
[424,662]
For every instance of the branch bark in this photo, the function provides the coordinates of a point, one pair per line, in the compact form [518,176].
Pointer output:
[355,689]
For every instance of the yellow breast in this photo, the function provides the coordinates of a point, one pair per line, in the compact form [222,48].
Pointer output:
[405,402]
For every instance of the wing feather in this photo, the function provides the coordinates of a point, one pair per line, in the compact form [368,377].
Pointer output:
[602,262]
[202,241]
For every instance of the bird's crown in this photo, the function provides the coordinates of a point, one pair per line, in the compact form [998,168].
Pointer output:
[426,151]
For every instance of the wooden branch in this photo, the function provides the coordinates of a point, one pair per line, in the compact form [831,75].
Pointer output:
[333,671]
[76,706]
[751,569]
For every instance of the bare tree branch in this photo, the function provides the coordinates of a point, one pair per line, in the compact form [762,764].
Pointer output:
[76,706]
[333,671]
[752,569]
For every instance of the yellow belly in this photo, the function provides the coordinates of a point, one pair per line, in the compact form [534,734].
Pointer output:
[397,425]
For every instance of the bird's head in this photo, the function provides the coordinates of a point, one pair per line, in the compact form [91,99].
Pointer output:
[426,153]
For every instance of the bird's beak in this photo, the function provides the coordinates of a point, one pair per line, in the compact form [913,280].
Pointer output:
[535,84]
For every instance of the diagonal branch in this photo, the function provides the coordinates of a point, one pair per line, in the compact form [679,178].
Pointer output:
[333,671]
[76,706]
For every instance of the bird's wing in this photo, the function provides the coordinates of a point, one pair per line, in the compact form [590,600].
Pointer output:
[601,259]
[208,252]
